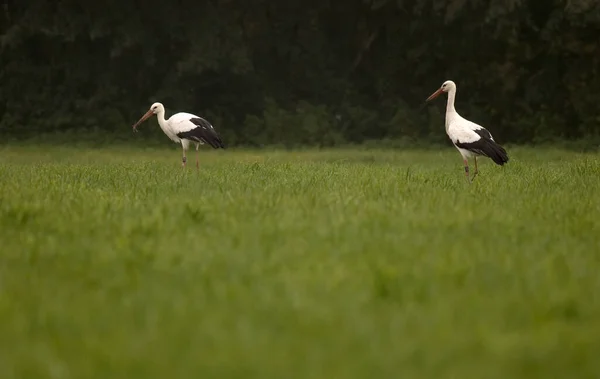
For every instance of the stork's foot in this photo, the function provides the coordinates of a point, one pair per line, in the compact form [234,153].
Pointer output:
[183,162]
[474,175]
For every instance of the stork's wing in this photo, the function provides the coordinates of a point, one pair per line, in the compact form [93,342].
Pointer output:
[483,133]
[196,128]
[480,141]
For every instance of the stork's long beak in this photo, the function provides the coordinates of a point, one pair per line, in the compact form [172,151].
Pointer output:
[435,94]
[144,118]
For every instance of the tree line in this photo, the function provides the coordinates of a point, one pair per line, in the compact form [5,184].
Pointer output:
[311,72]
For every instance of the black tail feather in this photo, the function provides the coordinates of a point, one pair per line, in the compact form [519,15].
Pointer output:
[215,142]
[497,153]
[486,147]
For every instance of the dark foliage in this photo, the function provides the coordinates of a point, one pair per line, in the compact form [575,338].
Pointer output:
[303,71]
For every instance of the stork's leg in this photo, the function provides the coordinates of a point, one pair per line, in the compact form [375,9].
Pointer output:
[184,147]
[476,170]
[197,156]
[467,169]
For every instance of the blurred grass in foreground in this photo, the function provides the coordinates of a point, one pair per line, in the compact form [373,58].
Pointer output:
[307,264]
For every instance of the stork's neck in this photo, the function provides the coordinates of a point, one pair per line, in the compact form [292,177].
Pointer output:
[450,106]
[161,120]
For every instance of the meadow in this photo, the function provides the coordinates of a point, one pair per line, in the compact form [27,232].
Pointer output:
[116,263]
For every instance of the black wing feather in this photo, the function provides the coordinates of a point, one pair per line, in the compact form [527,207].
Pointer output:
[485,146]
[203,133]
[484,133]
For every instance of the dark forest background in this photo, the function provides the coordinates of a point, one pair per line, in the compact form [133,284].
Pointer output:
[313,72]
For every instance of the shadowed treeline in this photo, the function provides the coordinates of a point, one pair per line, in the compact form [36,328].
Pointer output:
[303,71]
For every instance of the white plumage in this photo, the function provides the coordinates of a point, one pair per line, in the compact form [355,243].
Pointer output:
[471,140]
[184,128]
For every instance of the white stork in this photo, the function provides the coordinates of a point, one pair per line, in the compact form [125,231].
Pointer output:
[470,139]
[184,128]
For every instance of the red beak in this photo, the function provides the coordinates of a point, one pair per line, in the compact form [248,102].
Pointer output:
[144,118]
[435,94]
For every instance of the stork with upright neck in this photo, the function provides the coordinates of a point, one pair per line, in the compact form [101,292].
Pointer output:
[471,139]
[184,128]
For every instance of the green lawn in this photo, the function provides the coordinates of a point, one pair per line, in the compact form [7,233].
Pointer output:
[346,264]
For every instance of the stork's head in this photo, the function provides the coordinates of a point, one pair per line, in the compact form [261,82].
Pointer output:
[447,86]
[155,108]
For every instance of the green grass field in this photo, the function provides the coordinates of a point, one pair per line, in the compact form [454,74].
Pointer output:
[116,263]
